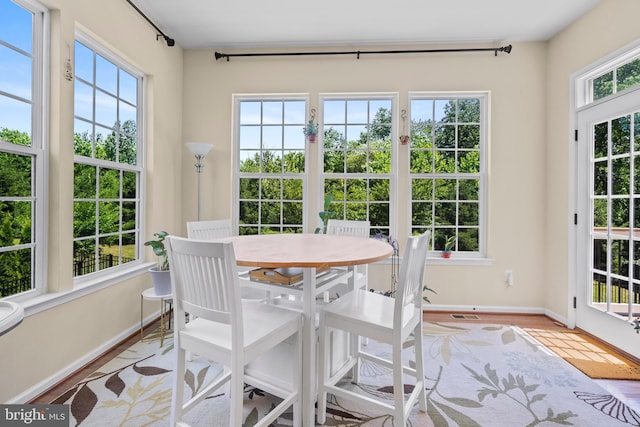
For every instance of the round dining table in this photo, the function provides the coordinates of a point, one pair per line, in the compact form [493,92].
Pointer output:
[311,253]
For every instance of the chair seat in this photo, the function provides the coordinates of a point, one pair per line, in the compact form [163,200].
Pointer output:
[367,312]
[264,323]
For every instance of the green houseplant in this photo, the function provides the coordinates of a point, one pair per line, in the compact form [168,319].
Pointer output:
[448,246]
[311,131]
[160,275]
[325,215]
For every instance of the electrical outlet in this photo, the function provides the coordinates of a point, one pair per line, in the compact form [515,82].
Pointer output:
[508,277]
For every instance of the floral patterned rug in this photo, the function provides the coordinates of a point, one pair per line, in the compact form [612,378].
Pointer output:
[477,375]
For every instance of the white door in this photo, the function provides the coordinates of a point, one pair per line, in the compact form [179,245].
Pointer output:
[608,220]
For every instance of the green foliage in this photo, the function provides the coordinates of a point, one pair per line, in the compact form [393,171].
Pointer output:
[157,245]
[326,214]
[310,129]
[450,243]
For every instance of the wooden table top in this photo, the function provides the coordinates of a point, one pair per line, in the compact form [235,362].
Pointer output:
[306,250]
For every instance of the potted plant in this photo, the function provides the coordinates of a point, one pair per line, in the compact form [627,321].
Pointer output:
[160,275]
[448,246]
[311,131]
[325,215]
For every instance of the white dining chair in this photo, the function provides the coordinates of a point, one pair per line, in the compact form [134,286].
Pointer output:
[227,330]
[393,321]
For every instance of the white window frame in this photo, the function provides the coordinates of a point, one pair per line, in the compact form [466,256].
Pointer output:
[39,148]
[237,100]
[392,176]
[483,96]
[583,79]
[139,168]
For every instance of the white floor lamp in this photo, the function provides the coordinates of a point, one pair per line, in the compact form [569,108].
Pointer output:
[200,150]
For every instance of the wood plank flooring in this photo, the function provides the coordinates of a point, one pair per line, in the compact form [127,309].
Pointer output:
[627,391]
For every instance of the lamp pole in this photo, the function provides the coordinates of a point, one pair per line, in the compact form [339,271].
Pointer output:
[200,151]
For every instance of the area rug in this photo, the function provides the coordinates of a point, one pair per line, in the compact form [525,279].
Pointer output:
[592,358]
[477,375]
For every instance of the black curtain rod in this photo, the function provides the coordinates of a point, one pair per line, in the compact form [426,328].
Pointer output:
[169,40]
[495,50]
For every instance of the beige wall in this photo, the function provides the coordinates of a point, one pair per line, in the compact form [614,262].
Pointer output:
[516,84]
[50,341]
[608,27]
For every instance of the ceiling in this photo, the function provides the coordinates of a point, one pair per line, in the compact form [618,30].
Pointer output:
[208,24]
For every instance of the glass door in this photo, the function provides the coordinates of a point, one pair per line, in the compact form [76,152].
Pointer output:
[608,166]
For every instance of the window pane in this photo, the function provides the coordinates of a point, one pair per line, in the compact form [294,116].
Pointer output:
[16,116]
[16,26]
[109,184]
[84,219]
[16,176]
[15,270]
[84,181]
[628,75]
[603,86]
[106,75]
[83,62]
[16,76]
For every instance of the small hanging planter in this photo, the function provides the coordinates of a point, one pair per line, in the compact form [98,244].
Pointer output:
[311,131]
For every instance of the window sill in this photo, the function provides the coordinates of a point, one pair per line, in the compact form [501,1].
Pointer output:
[458,261]
[82,288]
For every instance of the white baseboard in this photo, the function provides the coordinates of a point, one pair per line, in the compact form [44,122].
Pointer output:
[54,379]
[495,309]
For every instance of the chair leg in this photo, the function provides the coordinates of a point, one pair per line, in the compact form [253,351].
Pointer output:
[419,353]
[297,378]
[177,399]
[398,384]
[323,371]
[237,392]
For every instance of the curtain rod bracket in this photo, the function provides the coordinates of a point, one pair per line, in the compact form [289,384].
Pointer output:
[170,42]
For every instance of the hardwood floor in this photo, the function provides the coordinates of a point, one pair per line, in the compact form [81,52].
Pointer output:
[627,391]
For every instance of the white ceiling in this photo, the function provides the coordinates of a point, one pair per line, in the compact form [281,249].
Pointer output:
[208,24]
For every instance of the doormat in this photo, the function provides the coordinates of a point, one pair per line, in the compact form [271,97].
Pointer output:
[592,358]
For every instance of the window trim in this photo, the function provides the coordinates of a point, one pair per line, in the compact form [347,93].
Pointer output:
[107,276]
[581,80]
[481,256]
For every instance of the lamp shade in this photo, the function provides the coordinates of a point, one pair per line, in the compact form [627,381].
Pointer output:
[199,148]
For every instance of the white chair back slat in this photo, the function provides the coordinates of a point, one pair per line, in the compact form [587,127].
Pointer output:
[209,230]
[348,227]
[411,275]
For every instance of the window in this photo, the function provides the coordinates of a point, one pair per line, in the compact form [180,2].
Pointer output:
[271,164]
[357,159]
[22,147]
[447,170]
[616,79]
[107,162]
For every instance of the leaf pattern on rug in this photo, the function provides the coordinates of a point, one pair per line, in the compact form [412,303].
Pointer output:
[450,338]
[611,406]
[496,387]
